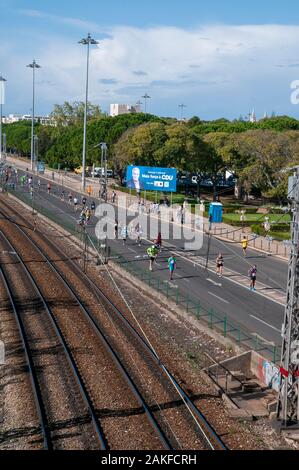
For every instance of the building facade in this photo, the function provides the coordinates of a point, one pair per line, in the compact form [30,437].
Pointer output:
[117,109]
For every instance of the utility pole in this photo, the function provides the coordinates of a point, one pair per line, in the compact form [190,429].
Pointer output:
[288,403]
[2,94]
[182,106]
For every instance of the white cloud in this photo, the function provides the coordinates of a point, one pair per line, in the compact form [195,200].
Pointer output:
[208,64]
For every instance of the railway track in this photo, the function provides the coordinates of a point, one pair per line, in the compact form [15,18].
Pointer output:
[27,339]
[168,435]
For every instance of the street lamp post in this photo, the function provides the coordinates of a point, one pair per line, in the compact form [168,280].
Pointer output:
[145,97]
[33,66]
[85,41]
[2,81]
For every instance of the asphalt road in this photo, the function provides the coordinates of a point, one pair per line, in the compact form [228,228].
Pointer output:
[259,312]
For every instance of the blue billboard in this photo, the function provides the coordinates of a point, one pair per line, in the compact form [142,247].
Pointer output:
[151,178]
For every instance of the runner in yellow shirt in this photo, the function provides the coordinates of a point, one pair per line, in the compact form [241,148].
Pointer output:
[244,244]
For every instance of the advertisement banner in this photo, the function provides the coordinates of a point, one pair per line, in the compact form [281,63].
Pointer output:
[151,178]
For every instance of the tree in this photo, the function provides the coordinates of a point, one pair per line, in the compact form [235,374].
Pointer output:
[263,154]
[73,113]
[217,149]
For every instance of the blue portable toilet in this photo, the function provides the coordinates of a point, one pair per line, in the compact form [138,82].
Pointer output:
[215,212]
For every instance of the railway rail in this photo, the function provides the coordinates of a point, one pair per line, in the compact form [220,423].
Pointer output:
[208,435]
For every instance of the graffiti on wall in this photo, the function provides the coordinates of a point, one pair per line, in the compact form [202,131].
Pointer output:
[269,374]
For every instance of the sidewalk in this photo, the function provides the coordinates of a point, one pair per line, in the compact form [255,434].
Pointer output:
[222,231]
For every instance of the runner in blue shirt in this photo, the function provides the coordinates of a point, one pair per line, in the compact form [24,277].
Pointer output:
[171,266]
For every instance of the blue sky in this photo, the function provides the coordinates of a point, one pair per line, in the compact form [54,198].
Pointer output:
[220,58]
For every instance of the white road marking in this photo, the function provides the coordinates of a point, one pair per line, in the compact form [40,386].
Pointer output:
[220,298]
[131,249]
[213,282]
[174,286]
[265,323]
[228,278]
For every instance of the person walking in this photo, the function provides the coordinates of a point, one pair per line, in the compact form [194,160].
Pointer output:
[152,253]
[244,245]
[252,276]
[219,265]
[171,266]
[75,203]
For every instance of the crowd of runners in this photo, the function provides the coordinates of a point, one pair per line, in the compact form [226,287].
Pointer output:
[87,207]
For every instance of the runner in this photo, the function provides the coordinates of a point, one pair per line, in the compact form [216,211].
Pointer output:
[244,245]
[93,206]
[171,266]
[219,264]
[252,276]
[116,228]
[62,195]
[138,231]
[38,183]
[152,252]
[49,188]
[113,196]
[75,203]
[124,234]
[70,198]
[88,214]
[82,218]
[83,201]
[158,241]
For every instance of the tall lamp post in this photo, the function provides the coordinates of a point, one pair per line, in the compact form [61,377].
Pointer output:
[85,41]
[2,94]
[103,146]
[145,97]
[33,66]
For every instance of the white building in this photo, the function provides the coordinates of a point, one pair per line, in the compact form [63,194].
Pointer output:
[117,109]
[43,120]
[252,116]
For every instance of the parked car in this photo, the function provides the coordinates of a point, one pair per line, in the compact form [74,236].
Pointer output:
[79,170]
